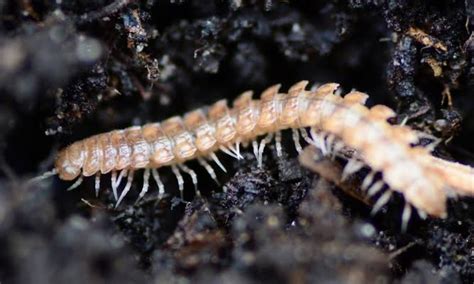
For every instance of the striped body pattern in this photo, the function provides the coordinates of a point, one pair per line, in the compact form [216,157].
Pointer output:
[333,122]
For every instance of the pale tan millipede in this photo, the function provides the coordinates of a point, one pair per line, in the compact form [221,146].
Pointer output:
[334,122]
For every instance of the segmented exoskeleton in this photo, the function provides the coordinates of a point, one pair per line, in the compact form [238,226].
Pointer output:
[333,121]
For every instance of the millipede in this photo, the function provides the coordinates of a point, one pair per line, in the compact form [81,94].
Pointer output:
[320,116]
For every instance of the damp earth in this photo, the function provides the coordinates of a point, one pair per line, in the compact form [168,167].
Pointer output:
[70,69]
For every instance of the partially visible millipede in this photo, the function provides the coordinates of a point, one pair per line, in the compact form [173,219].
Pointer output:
[334,122]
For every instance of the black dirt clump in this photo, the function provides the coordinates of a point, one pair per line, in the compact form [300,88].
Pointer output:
[70,69]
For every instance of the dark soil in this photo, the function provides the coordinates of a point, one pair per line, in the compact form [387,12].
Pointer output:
[69,69]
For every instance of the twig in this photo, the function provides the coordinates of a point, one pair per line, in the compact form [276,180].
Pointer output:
[112,8]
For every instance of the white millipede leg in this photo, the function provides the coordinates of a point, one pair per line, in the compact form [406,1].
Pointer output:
[322,141]
[422,214]
[146,184]
[255,148]
[116,181]
[404,121]
[229,152]
[314,137]
[381,202]
[319,142]
[123,173]
[305,136]
[193,175]
[296,140]
[376,187]
[97,184]
[368,181]
[234,151]
[75,184]
[180,180]
[216,160]
[237,149]
[329,143]
[113,180]
[278,144]
[209,169]
[406,216]
[161,186]
[338,146]
[263,142]
[351,167]
[126,189]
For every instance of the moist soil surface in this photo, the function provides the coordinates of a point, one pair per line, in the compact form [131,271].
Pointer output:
[71,69]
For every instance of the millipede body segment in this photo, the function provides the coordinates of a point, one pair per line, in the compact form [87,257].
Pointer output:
[334,122]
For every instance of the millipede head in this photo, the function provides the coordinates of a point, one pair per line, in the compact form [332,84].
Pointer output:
[67,167]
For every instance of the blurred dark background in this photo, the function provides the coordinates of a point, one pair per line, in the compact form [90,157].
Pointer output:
[69,69]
